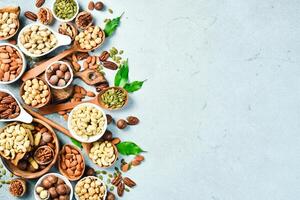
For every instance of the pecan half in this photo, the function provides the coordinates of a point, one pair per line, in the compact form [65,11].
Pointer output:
[30,15]
[120,189]
[39,3]
[104,56]
[129,182]
[110,65]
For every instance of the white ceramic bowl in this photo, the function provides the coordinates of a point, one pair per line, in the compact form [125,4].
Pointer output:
[36,196]
[23,66]
[94,177]
[23,116]
[69,82]
[91,138]
[65,20]
[61,40]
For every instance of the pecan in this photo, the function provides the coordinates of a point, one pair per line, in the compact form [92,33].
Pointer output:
[7,100]
[120,189]
[116,180]
[39,3]
[30,15]
[101,87]
[104,56]
[110,65]
[3,108]
[129,182]
[84,19]
[82,55]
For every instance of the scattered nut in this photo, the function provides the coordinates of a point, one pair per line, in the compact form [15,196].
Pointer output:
[121,124]
[131,120]
[99,5]
[45,16]
[68,29]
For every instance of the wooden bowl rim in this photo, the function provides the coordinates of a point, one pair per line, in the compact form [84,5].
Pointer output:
[48,98]
[34,175]
[103,105]
[63,171]
[87,147]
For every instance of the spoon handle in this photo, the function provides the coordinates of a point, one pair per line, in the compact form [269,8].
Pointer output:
[48,121]
[40,68]
[63,106]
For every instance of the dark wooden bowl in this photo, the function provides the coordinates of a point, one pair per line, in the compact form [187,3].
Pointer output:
[32,175]
[39,105]
[62,171]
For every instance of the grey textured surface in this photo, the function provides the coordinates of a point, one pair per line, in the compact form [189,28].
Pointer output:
[219,112]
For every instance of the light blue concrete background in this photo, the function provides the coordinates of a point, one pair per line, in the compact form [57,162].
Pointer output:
[220,110]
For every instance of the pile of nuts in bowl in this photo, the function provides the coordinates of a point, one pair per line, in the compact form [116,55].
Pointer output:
[90,38]
[59,75]
[90,188]
[15,138]
[113,98]
[71,162]
[36,93]
[37,39]
[8,24]
[65,9]
[87,120]
[11,63]
[9,108]
[53,187]
[103,153]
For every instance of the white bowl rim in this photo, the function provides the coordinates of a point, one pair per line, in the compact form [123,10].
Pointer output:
[92,138]
[65,20]
[57,175]
[71,72]
[57,35]
[23,66]
[94,177]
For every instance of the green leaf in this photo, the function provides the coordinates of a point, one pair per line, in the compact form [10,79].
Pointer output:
[134,86]
[129,148]
[76,143]
[112,26]
[121,77]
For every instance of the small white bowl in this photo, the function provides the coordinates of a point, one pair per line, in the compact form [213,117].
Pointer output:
[36,196]
[91,138]
[23,116]
[93,177]
[65,20]
[69,82]
[61,40]
[23,66]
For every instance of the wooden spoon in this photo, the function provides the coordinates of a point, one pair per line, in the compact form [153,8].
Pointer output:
[66,106]
[34,72]
[15,10]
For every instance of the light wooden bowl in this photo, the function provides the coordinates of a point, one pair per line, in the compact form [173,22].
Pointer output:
[15,10]
[32,175]
[103,105]
[62,171]
[87,148]
[39,105]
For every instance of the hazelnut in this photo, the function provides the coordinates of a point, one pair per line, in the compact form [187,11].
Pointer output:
[63,197]
[67,76]
[109,118]
[47,137]
[121,124]
[110,196]
[61,189]
[53,80]
[107,135]
[60,181]
[53,192]
[90,171]
[99,5]
[22,165]
[60,74]
[46,183]
[61,83]
[63,67]
[52,179]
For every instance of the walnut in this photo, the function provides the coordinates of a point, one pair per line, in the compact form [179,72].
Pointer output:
[83,20]
[45,16]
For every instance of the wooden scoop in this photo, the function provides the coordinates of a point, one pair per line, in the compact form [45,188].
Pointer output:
[91,77]
[66,106]
[15,10]
[34,72]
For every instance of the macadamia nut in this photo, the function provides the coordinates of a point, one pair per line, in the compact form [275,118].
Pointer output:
[36,92]
[90,38]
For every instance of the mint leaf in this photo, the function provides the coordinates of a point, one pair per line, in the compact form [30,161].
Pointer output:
[134,86]
[129,148]
[112,26]
[76,143]
[121,77]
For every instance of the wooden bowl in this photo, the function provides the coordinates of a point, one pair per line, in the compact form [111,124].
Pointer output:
[103,105]
[39,105]
[87,148]
[32,175]
[62,171]
[23,183]
[15,10]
